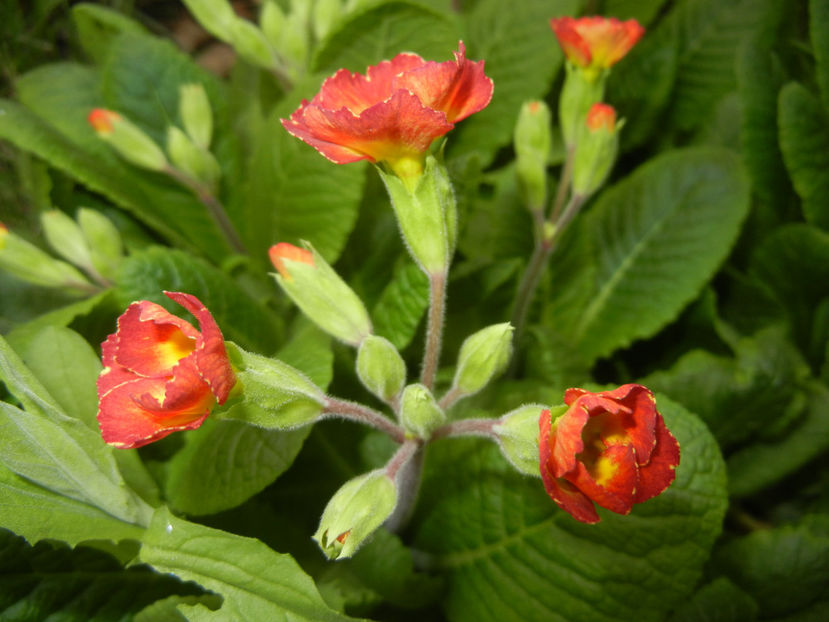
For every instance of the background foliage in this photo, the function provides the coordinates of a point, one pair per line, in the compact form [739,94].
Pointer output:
[702,271]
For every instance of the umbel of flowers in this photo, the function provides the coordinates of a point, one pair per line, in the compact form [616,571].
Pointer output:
[162,375]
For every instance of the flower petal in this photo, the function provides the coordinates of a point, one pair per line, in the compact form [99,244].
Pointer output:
[574,46]
[571,499]
[150,340]
[568,439]
[660,472]
[610,480]
[210,353]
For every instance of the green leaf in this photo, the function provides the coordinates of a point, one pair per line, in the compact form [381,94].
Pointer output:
[646,249]
[709,33]
[402,304]
[309,350]
[758,81]
[522,58]
[762,464]
[804,140]
[224,463]
[382,31]
[819,35]
[511,555]
[293,193]
[718,601]
[50,581]
[98,26]
[37,513]
[785,570]
[642,11]
[146,274]
[255,582]
[173,608]
[68,368]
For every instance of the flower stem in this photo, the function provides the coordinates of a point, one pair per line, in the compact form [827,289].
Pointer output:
[214,207]
[434,329]
[452,396]
[363,414]
[406,469]
[563,184]
[466,427]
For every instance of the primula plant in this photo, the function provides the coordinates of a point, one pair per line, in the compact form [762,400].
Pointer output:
[415,310]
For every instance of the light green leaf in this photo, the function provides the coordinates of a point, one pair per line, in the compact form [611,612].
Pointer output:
[255,582]
[522,57]
[309,350]
[293,193]
[804,140]
[402,304]
[37,513]
[146,274]
[382,31]
[511,555]
[646,249]
[68,368]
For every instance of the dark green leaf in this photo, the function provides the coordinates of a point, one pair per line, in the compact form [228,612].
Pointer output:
[255,582]
[97,26]
[147,274]
[402,304]
[804,140]
[646,248]
[511,555]
[718,601]
[819,34]
[642,11]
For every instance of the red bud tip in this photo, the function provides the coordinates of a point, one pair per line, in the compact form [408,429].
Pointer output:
[283,250]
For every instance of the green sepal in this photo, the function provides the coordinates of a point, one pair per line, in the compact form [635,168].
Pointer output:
[27,262]
[106,247]
[355,511]
[419,412]
[532,140]
[191,159]
[483,356]
[517,435]
[577,96]
[380,367]
[196,115]
[66,238]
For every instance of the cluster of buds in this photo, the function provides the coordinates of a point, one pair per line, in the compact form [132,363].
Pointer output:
[163,375]
[90,244]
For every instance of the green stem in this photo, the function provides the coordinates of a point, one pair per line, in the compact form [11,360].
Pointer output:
[466,427]
[214,208]
[406,470]
[335,407]
[563,184]
[434,329]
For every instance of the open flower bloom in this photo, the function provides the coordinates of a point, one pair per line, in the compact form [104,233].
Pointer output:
[393,112]
[611,448]
[596,42]
[160,374]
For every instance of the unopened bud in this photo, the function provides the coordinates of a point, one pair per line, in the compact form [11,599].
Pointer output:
[191,159]
[127,139]
[104,241]
[380,367]
[517,436]
[533,137]
[483,356]
[354,512]
[320,293]
[419,412]
[596,150]
[196,115]
[66,238]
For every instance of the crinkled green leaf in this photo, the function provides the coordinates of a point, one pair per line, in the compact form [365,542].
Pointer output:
[402,304]
[98,26]
[804,140]
[718,601]
[255,582]
[146,274]
[510,554]
[645,249]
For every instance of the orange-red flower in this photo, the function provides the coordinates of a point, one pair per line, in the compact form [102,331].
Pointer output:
[160,374]
[596,42]
[611,448]
[394,111]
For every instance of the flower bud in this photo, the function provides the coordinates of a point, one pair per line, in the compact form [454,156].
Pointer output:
[193,160]
[29,263]
[517,436]
[533,137]
[354,512]
[596,150]
[66,238]
[320,293]
[195,113]
[381,368]
[419,412]
[274,394]
[424,204]
[483,356]
[217,16]
[104,241]
[577,96]
[127,139]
